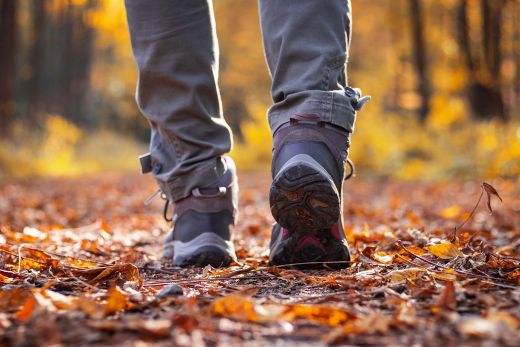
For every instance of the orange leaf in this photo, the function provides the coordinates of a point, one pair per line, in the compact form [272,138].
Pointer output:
[236,306]
[322,314]
[116,301]
[515,275]
[26,310]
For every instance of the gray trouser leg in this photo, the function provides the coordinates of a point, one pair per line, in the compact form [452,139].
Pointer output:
[306,45]
[176,50]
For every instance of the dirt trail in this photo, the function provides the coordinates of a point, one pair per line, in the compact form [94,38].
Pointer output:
[80,265]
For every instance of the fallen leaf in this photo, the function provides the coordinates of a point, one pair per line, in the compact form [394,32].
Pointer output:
[14,298]
[117,301]
[495,325]
[515,275]
[236,306]
[445,250]
[121,272]
[321,314]
[410,274]
[490,191]
[26,310]
[447,299]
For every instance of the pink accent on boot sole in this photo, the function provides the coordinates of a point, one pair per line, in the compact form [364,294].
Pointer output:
[309,240]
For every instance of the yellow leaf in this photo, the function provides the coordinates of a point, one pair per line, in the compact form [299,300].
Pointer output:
[445,250]
[28,264]
[451,212]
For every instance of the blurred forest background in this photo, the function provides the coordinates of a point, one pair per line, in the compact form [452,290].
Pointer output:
[444,76]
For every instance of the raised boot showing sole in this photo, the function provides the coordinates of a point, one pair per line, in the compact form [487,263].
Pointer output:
[309,158]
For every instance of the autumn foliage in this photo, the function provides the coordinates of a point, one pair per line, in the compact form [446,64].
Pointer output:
[80,263]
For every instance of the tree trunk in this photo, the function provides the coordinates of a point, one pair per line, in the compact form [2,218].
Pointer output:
[7,63]
[36,58]
[419,54]
[484,85]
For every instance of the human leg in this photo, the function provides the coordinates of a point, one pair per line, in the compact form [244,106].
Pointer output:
[312,117]
[176,50]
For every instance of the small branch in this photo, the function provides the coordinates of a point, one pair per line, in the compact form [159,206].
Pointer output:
[201,280]
[456,230]
[308,263]
[400,243]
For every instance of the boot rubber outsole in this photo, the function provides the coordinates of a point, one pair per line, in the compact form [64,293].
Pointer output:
[303,196]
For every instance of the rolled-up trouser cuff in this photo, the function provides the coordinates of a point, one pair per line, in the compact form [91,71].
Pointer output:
[331,106]
[179,187]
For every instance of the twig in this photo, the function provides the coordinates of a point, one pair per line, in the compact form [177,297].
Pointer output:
[82,282]
[239,272]
[400,243]
[308,263]
[456,230]
[20,257]
[198,280]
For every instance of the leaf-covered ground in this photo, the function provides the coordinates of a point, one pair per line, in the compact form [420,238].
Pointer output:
[80,265]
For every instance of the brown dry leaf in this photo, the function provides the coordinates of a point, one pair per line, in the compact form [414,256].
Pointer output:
[123,272]
[117,301]
[490,191]
[91,307]
[406,314]
[375,322]
[445,250]
[496,324]
[447,299]
[14,298]
[185,322]
[411,274]
[60,301]
[447,275]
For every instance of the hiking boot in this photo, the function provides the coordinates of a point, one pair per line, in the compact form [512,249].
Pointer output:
[308,169]
[203,224]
